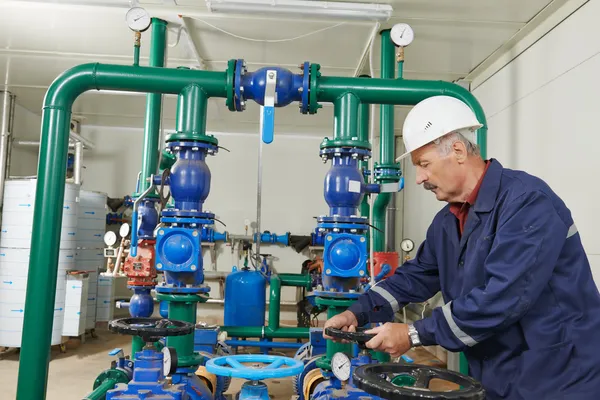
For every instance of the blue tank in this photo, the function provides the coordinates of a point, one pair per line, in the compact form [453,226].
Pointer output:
[245,298]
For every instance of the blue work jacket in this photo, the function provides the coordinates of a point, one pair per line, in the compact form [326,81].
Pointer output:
[520,299]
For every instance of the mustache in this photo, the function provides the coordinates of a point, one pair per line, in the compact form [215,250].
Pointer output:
[429,186]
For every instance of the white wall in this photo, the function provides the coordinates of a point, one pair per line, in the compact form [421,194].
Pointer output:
[292,187]
[26,127]
[542,111]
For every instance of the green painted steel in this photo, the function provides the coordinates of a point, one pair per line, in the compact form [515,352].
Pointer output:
[345,117]
[363,135]
[334,307]
[100,392]
[267,332]
[191,111]
[151,143]
[137,344]
[167,160]
[136,56]
[182,311]
[274,300]
[297,280]
[386,144]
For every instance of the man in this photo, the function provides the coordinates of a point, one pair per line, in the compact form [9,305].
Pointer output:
[521,302]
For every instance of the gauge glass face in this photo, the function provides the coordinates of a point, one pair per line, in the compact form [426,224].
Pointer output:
[166,361]
[340,364]
[138,19]
[110,238]
[402,35]
[124,231]
[407,245]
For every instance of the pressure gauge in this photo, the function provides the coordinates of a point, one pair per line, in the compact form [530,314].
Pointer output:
[110,238]
[340,365]
[124,231]
[169,360]
[138,19]
[402,35]
[407,245]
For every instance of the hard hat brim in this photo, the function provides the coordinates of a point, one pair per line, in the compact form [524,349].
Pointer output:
[403,156]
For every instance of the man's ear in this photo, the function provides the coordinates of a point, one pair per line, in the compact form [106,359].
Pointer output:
[460,151]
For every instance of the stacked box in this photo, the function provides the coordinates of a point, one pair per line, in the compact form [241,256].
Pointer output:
[76,300]
[15,247]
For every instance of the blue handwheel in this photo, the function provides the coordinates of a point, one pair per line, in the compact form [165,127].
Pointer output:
[278,367]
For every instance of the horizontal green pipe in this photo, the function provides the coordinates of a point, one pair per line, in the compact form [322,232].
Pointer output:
[400,92]
[81,78]
[259,332]
[100,392]
[298,280]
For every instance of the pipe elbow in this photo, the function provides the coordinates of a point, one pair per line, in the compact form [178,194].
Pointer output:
[69,85]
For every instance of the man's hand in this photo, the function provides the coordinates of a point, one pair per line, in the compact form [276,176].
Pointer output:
[391,338]
[345,321]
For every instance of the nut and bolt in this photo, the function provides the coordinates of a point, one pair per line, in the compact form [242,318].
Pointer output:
[362,239]
[328,271]
[195,233]
[193,267]
[271,75]
[161,232]
[361,273]
[159,266]
[329,238]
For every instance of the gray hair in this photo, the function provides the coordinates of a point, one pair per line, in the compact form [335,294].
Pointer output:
[444,144]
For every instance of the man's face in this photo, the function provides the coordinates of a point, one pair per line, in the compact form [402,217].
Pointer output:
[442,175]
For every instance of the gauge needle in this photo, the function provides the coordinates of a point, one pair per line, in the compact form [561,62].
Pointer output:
[138,18]
[401,35]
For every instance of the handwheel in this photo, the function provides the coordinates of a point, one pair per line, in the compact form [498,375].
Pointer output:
[279,367]
[401,382]
[359,336]
[151,329]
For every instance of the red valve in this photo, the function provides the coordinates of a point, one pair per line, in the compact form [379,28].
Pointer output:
[140,269]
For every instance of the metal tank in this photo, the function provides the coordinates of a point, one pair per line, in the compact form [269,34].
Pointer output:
[245,299]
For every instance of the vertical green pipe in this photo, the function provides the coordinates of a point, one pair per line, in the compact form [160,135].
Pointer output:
[136,56]
[386,142]
[192,104]
[363,135]
[345,116]
[137,344]
[274,300]
[43,261]
[158,45]
[182,311]
[336,347]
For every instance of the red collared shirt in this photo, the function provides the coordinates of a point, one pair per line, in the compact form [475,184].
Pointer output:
[461,210]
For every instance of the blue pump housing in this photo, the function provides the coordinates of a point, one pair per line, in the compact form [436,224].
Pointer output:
[245,298]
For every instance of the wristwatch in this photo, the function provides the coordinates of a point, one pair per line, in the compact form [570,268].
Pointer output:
[413,335]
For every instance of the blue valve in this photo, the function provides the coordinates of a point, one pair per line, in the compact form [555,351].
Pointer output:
[268,124]
[118,352]
[232,366]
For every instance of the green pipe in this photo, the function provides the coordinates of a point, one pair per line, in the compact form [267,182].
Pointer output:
[137,344]
[363,135]
[274,300]
[297,280]
[100,392]
[265,331]
[401,69]
[386,143]
[345,111]
[191,110]
[158,45]
[184,345]
[41,284]
[136,56]
[400,92]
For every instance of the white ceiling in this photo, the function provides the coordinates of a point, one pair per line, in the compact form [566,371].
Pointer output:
[39,40]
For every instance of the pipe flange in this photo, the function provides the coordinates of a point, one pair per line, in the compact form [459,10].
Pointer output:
[238,91]
[230,87]
[191,140]
[304,103]
[346,145]
[119,375]
[314,105]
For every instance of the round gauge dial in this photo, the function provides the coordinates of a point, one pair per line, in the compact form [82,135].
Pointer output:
[402,35]
[124,231]
[407,245]
[110,238]
[169,360]
[138,19]
[340,366]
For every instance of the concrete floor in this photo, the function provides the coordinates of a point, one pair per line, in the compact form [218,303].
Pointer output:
[72,374]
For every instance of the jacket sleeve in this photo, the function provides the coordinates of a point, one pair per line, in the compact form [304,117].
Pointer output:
[415,281]
[520,262]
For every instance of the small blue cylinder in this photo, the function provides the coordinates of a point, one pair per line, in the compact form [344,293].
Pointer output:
[245,298]
[343,186]
[141,303]
[190,176]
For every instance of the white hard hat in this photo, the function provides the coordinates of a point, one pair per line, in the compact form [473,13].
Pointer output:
[435,117]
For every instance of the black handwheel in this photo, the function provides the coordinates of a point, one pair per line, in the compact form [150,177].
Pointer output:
[150,329]
[401,382]
[359,336]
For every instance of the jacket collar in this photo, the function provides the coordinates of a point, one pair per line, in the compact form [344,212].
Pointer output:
[488,193]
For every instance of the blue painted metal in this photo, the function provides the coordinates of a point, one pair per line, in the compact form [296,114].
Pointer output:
[205,339]
[238,89]
[141,303]
[163,308]
[193,386]
[190,176]
[179,256]
[317,342]
[148,381]
[310,363]
[147,218]
[232,366]
[114,218]
[304,103]
[343,186]
[245,287]
[254,391]
[269,344]
[273,238]
[345,255]
[385,268]
[287,88]
[329,389]
[212,236]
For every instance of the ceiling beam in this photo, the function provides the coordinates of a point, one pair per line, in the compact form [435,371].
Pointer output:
[542,23]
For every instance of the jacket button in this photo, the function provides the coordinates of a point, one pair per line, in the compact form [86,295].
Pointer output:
[461,263]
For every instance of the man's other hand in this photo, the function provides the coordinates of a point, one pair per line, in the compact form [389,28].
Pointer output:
[391,338]
[345,321]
